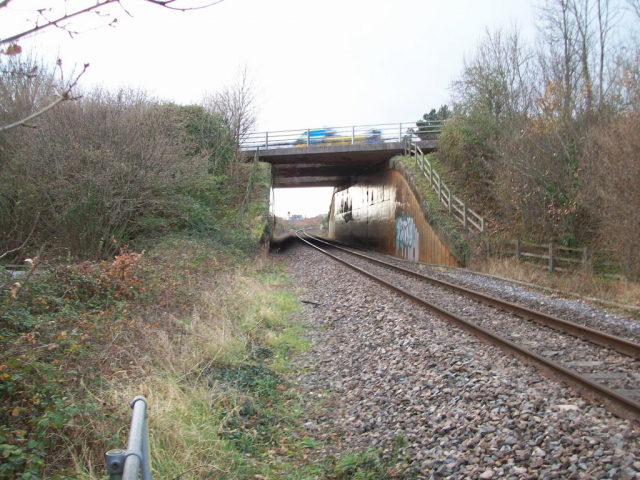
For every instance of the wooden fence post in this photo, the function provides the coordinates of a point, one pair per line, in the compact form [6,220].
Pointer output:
[550,257]
[464,215]
[439,188]
[585,259]
[449,201]
[431,174]
[517,249]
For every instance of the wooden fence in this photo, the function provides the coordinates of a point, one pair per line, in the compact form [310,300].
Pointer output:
[557,257]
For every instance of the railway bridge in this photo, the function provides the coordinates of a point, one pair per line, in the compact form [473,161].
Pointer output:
[377,201]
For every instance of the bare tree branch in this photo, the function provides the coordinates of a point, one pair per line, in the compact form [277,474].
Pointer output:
[166,4]
[56,22]
[26,240]
[61,22]
[635,5]
[62,97]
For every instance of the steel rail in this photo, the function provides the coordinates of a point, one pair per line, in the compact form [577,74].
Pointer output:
[603,339]
[620,405]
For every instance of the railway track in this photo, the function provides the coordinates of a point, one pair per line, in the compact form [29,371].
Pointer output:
[599,365]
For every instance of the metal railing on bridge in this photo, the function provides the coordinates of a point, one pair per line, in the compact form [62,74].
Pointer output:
[351,135]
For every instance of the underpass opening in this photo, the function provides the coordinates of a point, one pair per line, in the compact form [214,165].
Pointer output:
[296,208]
[348,185]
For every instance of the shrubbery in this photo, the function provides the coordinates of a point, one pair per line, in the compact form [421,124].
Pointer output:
[544,140]
[97,172]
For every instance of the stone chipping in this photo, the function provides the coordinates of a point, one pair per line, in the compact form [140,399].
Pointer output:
[391,373]
[574,309]
[612,369]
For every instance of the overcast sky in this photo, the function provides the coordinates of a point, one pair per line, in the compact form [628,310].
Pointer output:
[313,63]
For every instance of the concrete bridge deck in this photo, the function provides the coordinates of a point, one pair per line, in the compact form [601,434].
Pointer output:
[329,165]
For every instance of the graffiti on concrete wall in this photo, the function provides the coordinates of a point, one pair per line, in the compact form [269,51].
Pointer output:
[407,238]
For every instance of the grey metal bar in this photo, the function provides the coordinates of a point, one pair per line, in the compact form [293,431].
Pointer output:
[135,460]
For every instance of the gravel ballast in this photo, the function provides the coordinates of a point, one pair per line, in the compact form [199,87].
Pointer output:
[389,370]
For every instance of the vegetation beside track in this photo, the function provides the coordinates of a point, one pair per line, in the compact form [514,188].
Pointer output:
[580,282]
[199,323]
[204,331]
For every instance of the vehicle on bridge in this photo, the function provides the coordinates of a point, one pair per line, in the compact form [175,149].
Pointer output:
[316,137]
[328,136]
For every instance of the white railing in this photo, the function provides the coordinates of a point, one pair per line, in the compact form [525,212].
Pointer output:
[457,208]
[357,134]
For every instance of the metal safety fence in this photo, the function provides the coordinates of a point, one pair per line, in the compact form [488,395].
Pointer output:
[456,207]
[135,460]
[350,135]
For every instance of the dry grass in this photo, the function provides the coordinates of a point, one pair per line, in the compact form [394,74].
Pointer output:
[176,354]
[620,291]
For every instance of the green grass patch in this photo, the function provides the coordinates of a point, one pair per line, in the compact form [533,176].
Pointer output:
[205,333]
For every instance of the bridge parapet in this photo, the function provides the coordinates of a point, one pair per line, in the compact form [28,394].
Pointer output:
[335,136]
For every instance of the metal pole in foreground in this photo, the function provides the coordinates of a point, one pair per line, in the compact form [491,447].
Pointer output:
[127,464]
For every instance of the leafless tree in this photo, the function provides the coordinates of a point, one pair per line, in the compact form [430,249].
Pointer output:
[584,29]
[607,17]
[60,14]
[581,10]
[236,107]
[561,61]
[635,6]
[498,78]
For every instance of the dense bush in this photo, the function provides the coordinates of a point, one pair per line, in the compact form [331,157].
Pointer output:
[544,139]
[611,168]
[98,171]
[95,169]
[465,148]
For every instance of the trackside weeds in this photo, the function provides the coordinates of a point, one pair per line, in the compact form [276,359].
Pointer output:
[289,367]
[201,329]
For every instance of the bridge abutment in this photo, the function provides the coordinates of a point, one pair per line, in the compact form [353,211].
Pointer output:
[385,212]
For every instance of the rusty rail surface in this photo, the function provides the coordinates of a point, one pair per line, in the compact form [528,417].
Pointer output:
[603,339]
[618,404]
